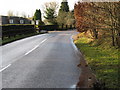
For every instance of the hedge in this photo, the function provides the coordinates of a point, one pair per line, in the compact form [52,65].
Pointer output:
[12,30]
[55,27]
[48,27]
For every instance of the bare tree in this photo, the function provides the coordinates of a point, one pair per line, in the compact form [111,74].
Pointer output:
[50,11]
[52,5]
[17,13]
[102,18]
[10,13]
[24,15]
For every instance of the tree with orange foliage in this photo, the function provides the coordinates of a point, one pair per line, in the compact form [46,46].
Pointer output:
[99,18]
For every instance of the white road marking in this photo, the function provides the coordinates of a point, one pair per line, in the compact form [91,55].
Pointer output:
[31,50]
[71,39]
[35,47]
[5,67]
[25,54]
[43,41]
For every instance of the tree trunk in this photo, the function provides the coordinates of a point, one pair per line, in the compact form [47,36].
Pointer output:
[62,26]
[118,40]
[113,39]
[95,32]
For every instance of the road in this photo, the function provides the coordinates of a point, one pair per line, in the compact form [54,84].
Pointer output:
[41,61]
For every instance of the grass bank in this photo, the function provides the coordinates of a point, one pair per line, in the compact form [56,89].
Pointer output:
[17,37]
[102,59]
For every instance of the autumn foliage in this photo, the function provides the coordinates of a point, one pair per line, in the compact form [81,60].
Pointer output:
[102,19]
[79,12]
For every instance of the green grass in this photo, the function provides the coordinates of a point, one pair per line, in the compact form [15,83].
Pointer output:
[103,61]
[17,37]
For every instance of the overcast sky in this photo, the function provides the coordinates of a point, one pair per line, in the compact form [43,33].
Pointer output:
[26,6]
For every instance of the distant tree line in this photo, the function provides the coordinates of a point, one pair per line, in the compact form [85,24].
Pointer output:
[62,18]
[65,16]
[23,14]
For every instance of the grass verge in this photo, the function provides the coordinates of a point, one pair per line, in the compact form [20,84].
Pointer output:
[17,37]
[103,61]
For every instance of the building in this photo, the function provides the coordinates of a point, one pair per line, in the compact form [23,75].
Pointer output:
[13,20]
[4,20]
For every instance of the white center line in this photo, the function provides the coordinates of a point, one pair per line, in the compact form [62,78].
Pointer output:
[35,47]
[25,54]
[43,41]
[31,50]
[5,67]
